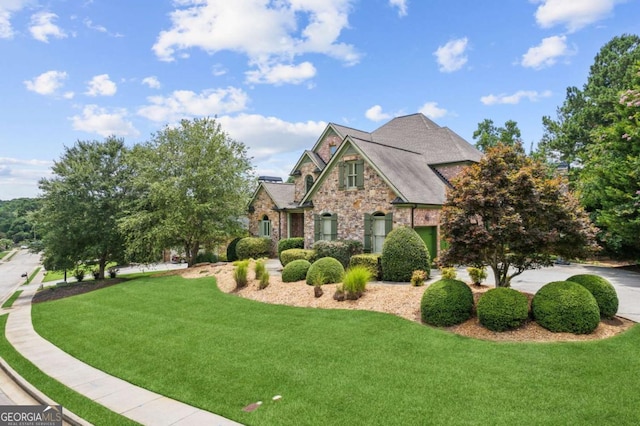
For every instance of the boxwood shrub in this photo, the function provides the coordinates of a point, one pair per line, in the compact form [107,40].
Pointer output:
[565,306]
[501,309]
[446,302]
[290,243]
[403,252]
[253,247]
[295,271]
[342,250]
[602,290]
[290,255]
[232,256]
[371,261]
[329,268]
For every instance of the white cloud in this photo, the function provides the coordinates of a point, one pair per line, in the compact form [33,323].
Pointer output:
[19,178]
[151,81]
[431,110]
[100,28]
[279,74]
[101,85]
[546,53]
[573,14]
[42,27]
[268,33]
[375,114]
[401,5]
[185,103]
[46,83]
[104,122]
[451,57]
[7,8]
[515,98]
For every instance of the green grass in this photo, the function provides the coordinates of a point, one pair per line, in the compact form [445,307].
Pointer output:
[33,275]
[3,254]
[189,341]
[68,398]
[9,302]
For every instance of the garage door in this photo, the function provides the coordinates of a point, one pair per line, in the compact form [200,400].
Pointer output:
[429,235]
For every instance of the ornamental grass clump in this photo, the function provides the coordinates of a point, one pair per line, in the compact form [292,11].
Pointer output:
[502,309]
[264,280]
[355,282]
[602,290]
[259,268]
[240,274]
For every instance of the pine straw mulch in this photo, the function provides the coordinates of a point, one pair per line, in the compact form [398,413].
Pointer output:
[398,299]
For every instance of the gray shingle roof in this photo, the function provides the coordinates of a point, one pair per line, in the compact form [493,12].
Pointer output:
[282,194]
[348,131]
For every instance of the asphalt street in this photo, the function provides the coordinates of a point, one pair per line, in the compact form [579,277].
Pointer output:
[11,271]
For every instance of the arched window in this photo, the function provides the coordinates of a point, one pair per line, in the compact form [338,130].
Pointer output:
[308,183]
[376,228]
[325,227]
[265,227]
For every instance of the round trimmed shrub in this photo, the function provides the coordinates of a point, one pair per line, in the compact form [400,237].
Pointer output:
[232,256]
[253,247]
[290,243]
[565,306]
[403,252]
[294,254]
[602,290]
[295,271]
[501,309]
[330,269]
[446,302]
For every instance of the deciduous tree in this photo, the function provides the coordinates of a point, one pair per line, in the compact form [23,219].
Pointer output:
[488,135]
[507,213]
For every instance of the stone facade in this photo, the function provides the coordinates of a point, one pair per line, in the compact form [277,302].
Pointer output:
[307,168]
[331,140]
[263,206]
[451,171]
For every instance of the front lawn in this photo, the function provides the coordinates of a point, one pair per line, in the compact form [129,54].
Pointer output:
[188,340]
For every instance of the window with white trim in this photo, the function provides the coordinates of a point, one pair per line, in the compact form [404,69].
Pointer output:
[265,227]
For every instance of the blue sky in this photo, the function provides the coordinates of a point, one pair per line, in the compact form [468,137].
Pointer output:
[275,72]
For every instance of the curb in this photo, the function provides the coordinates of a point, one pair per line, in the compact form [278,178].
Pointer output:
[67,415]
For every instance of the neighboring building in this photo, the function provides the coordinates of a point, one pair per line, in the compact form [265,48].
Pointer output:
[358,185]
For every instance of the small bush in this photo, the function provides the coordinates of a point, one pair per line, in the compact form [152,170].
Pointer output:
[259,268]
[295,271]
[330,268]
[477,275]
[206,257]
[418,277]
[448,273]
[290,255]
[240,274]
[253,247]
[232,256]
[264,280]
[290,243]
[501,309]
[565,306]
[78,273]
[355,281]
[446,303]
[403,252]
[371,261]
[602,290]
[342,250]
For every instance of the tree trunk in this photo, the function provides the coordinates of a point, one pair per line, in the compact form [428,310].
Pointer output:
[102,265]
[191,253]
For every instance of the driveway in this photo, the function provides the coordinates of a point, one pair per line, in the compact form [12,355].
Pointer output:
[626,283]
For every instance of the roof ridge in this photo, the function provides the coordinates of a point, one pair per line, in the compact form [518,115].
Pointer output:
[388,146]
[348,127]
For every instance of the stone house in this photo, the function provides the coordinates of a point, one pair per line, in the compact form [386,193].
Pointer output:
[358,185]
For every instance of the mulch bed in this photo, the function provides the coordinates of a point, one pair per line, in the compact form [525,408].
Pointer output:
[72,289]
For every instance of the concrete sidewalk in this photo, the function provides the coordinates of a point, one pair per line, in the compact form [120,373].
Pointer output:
[131,401]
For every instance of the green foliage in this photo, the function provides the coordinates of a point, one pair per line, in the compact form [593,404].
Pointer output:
[448,273]
[508,213]
[342,250]
[9,302]
[79,273]
[501,309]
[488,135]
[477,275]
[290,255]
[330,268]
[446,303]
[191,183]
[206,257]
[253,247]
[240,273]
[296,270]
[259,268]
[16,221]
[402,253]
[289,243]
[418,278]
[264,280]
[566,306]
[604,293]
[355,281]
[232,255]
[371,261]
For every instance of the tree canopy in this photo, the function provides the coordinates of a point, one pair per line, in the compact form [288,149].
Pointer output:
[507,212]
[81,204]
[487,135]
[190,187]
